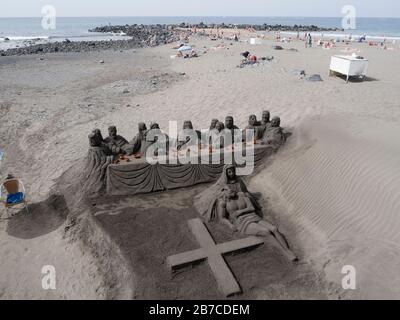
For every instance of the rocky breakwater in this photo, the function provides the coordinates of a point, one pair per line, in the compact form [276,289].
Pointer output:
[137,37]
[260,27]
[150,35]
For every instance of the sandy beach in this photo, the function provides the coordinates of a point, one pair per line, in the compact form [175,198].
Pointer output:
[334,188]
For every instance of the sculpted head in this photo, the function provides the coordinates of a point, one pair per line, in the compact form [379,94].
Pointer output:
[188,125]
[142,126]
[219,126]
[112,131]
[98,134]
[154,125]
[94,140]
[230,172]
[213,123]
[266,115]
[252,120]
[229,122]
[276,122]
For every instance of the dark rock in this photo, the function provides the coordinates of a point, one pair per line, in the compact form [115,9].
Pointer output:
[314,78]
[300,73]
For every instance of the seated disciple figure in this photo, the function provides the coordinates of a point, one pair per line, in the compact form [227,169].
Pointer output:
[274,134]
[155,140]
[253,131]
[230,125]
[265,120]
[114,141]
[213,123]
[99,156]
[217,136]
[188,136]
[207,202]
[206,135]
[135,145]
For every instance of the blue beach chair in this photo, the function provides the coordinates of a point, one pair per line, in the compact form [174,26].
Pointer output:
[12,193]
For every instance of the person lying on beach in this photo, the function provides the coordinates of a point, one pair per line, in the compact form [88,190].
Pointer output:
[248,59]
[187,54]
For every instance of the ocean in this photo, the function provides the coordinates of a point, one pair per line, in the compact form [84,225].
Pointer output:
[21,30]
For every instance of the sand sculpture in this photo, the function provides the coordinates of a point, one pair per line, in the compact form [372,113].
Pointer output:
[274,134]
[188,136]
[254,128]
[135,144]
[98,158]
[123,180]
[265,121]
[114,141]
[228,201]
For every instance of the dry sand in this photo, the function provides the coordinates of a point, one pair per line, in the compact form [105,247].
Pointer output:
[334,189]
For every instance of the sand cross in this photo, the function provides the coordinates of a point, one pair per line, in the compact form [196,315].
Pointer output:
[213,253]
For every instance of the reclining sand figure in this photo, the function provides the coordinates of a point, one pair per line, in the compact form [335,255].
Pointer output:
[230,125]
[230,202]
[237,212]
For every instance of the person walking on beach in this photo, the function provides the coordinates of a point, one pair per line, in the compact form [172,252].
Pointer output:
[309,41]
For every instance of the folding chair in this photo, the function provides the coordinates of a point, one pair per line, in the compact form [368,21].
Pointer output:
[12,193]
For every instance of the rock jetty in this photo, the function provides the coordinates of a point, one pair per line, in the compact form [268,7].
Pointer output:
[142,36]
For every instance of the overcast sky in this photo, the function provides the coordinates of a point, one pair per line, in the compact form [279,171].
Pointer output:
[260,8]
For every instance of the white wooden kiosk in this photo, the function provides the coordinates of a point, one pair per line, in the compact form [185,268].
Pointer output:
[350,66]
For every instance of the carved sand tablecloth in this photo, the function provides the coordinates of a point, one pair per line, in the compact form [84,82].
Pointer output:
[138,176]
